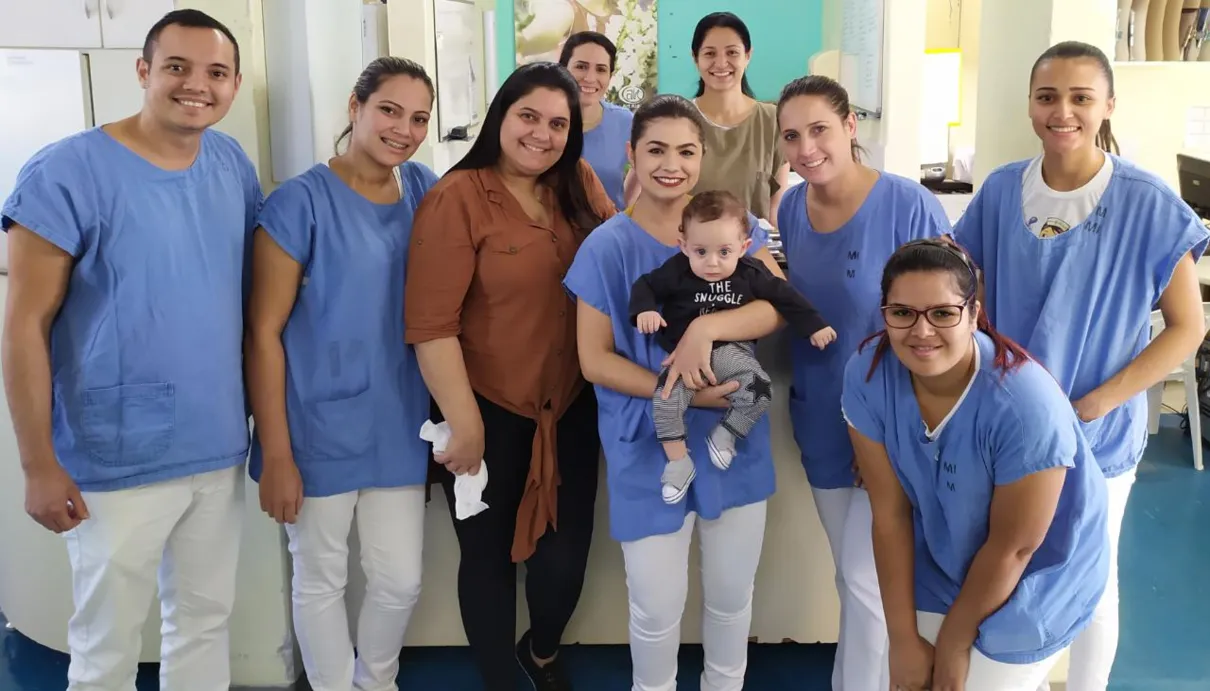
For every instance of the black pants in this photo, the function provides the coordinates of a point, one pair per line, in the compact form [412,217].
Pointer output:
[487,577]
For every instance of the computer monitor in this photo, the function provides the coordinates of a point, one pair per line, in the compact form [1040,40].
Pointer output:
[1194,176]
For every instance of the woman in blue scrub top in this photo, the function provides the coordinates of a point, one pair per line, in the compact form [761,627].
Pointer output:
[622,364]
[838,229]
[1077,247]
[989,508]
[591,58]
[337,397]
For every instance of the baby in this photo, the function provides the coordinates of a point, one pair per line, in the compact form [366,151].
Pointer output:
[713,272]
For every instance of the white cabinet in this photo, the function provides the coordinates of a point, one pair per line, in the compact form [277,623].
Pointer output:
[125,23]
[114,90]
[78,23]
[50,24]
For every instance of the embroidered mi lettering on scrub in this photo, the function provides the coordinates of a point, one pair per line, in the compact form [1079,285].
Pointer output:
[950,471]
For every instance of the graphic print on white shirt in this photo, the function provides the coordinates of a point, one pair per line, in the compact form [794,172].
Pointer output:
[1049,213]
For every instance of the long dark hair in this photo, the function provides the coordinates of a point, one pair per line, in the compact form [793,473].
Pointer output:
[584,37]
[722,20]
[666,106]
[378,72]
[828,89]
[944,256]
[564,175]
[1073,50]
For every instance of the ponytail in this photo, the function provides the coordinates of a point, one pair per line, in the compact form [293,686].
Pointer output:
[1105,139]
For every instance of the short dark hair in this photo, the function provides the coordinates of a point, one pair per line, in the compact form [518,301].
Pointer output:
[190,19]
[713,205]
[584,37]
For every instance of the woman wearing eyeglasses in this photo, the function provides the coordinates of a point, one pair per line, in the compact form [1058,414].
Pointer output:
[990,519]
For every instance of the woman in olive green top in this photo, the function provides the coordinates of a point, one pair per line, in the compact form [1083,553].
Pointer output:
[742,155]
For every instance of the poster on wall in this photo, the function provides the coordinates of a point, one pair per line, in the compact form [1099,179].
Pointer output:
[542,26]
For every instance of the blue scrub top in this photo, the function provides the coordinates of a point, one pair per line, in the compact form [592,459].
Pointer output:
[1081,302]
[841,274]
[355,399]
[1007,427]
[605,150]
[608,263]
[146,351]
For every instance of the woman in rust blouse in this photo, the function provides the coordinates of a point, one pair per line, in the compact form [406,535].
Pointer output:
[494,333]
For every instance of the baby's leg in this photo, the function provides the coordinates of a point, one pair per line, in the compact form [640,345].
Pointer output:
[669,418]
[737,362]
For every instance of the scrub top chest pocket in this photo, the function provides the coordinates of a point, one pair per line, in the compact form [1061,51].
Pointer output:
[128,425]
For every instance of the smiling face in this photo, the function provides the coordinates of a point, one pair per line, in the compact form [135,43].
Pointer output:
[534,132]
[589,65]
[191,79]
[924,348]
[714,247]
[1069,99]
[816,141]
[668,158]
[722,59]
[393,121]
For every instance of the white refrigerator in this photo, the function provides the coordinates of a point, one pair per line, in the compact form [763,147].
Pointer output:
[50,94]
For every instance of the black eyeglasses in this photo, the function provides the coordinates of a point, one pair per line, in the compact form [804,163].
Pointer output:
[940,316]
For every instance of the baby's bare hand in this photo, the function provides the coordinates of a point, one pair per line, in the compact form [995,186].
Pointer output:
[650,322]
[820,339]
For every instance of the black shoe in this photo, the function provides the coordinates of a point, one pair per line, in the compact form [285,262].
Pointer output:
[549,677]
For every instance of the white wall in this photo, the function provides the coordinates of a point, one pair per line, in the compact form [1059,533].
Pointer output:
[1012,34]
[1153,100]
[411,34]
[248,120]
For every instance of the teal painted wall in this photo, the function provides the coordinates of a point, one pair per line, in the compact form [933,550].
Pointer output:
[784,34]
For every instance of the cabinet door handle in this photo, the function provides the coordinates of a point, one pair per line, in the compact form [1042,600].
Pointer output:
[109,8]
[87,10]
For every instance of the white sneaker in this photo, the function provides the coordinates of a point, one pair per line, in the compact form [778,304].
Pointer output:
[676,480]
[720,456]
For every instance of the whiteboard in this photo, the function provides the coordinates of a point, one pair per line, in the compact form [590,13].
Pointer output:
[460,65]
[861,54]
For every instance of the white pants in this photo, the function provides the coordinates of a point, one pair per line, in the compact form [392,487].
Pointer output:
[189,531]
[390,528]
[861,655]
[985,674]
[1094,649]
[657,578]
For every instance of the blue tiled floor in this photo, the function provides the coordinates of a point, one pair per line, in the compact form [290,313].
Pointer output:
[1165,642]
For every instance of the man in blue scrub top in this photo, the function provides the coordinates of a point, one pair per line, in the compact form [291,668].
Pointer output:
[122,360]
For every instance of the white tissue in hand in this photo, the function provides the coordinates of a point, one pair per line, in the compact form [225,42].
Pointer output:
[468,489]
